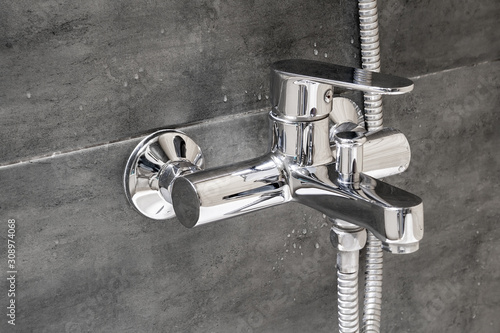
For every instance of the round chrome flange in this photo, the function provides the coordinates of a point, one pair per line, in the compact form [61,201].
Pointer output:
[152,168]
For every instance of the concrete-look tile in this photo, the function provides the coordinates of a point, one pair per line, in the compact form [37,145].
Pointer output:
[88,262]
[90,73]
[419,37]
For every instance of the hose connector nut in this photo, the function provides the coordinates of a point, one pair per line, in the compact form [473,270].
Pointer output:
[348,240]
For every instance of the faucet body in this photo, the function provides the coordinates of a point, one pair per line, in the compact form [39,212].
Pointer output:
[393,215]
[320,156]
[304,166]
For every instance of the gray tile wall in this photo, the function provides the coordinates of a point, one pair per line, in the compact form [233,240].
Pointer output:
[88,263]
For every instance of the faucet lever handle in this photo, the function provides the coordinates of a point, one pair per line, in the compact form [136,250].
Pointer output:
[340,76]
[302,90]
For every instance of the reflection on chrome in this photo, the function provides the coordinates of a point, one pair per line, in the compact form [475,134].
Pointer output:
[152,167]
[330,170]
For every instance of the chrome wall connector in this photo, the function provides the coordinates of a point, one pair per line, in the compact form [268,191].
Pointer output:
[301,166]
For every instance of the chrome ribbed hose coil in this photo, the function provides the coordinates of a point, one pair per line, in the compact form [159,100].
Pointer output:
[370,58]
[373,285]
[348,313]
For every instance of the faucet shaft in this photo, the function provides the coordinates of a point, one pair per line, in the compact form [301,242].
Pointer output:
[221,193]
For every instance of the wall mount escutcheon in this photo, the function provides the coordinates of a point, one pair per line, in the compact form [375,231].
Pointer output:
[153,166]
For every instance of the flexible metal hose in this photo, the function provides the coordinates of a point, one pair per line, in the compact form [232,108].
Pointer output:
[373,285]
[348,306]
[370,58]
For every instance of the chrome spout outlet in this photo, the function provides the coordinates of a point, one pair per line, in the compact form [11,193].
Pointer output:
[303,165]
[393,215]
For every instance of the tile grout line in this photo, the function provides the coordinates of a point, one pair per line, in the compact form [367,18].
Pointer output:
[452,69]
[43,157]
[47,156]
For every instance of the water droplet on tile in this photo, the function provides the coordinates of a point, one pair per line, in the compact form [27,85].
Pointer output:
[315,52]
[225,99]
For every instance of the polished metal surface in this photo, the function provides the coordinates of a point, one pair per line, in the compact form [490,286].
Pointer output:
[347,295]
[373,114]
[300,166]
[152,167]
[347,237]
[393,215]
[307,143]
[386,152]
[298,86]
[345,116]
[221,193]
[349,152]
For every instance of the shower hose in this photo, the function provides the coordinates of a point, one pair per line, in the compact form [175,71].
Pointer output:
[347,280]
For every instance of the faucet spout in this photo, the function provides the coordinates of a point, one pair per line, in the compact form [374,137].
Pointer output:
[393,215]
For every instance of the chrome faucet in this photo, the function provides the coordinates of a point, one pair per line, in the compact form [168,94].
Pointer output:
[320,156]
